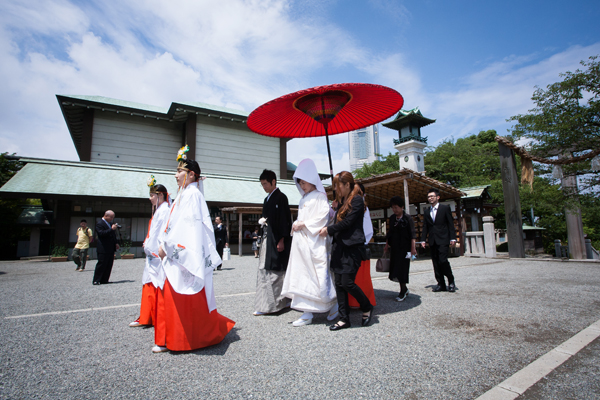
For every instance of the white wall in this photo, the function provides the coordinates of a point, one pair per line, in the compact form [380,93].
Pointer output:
[232,149]
[132,140]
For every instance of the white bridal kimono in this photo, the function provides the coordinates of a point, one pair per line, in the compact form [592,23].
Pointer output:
[308,280]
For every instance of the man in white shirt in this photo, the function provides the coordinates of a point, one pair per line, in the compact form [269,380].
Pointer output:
[439,226]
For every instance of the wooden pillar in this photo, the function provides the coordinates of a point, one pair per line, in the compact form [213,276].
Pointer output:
[406,199]
[62,219]
[462,228]
[190,135]
[240,235]
[227,218]
[512,202]
[573,219]
[283,158]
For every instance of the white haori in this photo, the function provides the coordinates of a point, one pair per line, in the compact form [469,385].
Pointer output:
[189,242]
[153,271]
[367,226]
[308,280]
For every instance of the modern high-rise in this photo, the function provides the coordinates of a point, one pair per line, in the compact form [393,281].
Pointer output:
[364,146]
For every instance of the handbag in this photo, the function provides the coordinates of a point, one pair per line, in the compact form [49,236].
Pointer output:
[226,254]
[383,264]
[365,253]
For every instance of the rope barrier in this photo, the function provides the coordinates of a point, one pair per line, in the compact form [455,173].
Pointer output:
[561,161]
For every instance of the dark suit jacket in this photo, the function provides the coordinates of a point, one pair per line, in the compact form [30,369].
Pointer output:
[107,238]
[221,235]
[440,232]
[279,225]
[349,230]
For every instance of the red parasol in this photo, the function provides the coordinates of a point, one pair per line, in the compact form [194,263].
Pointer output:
[325,110]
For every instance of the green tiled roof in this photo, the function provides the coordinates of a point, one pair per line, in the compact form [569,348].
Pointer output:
[118,103]
[474,191]
[168,111]
[532,228]
[41,178]
[408,117]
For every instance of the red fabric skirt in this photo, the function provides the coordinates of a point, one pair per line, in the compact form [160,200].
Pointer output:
[184,323]
[363,280]
[148,304]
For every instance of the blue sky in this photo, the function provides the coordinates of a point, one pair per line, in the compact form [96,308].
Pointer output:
[468,64]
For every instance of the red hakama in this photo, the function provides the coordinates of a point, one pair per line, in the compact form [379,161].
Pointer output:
[148,304]
[363,280]
[183,322]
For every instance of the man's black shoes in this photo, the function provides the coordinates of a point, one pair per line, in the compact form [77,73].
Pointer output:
[439,288]
[452,287]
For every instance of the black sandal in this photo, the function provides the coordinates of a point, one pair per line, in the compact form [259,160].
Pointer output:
[366,319]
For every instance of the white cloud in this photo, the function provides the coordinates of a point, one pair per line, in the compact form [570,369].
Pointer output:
[502,89]
[238,53]
[235,53]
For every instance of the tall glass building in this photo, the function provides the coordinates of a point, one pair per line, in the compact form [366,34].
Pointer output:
[364,146]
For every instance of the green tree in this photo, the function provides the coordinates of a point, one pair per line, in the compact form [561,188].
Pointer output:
[387,164]
[566,120]
[474,160]
[470,161]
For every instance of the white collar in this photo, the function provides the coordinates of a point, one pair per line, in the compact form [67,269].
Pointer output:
[273,191]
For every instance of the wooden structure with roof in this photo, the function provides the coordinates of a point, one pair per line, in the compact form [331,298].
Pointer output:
[239,212]
[476,205]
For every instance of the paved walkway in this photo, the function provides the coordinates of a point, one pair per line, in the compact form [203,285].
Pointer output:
[64,338]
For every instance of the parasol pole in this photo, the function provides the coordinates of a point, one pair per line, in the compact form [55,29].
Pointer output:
[328,148]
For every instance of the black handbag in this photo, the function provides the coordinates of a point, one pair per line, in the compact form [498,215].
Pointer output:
[365,252]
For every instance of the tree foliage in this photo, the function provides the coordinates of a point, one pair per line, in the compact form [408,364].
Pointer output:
[565,119]
[474,161]
[470,161]
[387,164]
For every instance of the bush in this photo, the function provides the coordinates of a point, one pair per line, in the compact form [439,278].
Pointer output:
[126,247]
[59,251]
[502,247]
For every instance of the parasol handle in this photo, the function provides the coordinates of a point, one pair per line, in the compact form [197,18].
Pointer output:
[328,148]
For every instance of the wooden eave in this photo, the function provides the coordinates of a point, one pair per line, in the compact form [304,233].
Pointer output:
[248,210]
[381,188]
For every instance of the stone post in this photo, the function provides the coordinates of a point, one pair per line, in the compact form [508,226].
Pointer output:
[588,249]
[557,252]
[489,237]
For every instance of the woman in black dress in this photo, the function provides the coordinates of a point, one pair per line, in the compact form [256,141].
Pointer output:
[255,242]
[347,248]
[400,241]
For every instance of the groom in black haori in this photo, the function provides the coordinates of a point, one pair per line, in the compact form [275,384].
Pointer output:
[275,248]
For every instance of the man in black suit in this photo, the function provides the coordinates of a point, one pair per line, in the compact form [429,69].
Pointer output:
[221,239]
[276,210]
[105,247]
[276,248]
[439,226]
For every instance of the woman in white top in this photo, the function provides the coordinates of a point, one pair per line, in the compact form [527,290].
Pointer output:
[308,281]
[153,276]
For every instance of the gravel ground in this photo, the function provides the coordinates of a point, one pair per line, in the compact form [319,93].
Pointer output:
[505,314]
